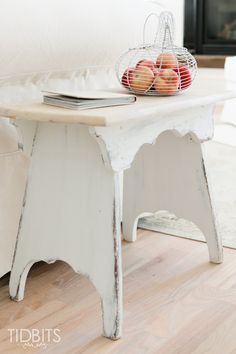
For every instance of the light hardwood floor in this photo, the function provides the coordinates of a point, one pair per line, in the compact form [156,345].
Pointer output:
[175,302]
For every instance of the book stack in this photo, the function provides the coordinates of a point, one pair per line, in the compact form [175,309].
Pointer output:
[86,99]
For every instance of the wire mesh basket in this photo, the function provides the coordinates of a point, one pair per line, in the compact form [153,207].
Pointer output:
[157,69]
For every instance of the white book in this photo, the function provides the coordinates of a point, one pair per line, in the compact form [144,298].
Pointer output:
[86,99]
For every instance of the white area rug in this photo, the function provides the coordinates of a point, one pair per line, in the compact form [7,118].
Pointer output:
[225,134]
[221,168]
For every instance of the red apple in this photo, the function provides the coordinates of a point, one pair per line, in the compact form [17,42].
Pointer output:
[126,77]
[185,76]
[166,61]
[148,63]
[166,82]
[142,79]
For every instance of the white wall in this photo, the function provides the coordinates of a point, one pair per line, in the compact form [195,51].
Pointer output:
[177,7]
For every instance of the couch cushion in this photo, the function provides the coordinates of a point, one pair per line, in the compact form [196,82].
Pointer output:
[8,138]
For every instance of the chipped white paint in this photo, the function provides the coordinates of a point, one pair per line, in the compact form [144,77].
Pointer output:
[13,174]
[71,213]
[171,176]
[72,201]
[121,143]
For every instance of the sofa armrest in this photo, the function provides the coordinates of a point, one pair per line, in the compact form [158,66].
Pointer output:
[9,141]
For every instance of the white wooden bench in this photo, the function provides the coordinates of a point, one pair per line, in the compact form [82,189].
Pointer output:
[72,208]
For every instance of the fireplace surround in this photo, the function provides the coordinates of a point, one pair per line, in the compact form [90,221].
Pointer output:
[210,26]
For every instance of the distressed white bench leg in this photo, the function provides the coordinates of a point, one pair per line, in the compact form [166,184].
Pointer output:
[170,175]
[13,174]
[71,213]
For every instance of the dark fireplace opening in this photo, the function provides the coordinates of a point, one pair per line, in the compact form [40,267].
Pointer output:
[210,26]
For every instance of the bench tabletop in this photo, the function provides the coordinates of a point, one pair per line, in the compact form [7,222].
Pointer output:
[143,109]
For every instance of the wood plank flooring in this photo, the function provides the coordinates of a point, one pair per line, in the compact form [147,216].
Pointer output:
[175,302]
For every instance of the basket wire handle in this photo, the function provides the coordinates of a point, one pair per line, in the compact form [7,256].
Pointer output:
[145,27]
[164,35]
[166,30]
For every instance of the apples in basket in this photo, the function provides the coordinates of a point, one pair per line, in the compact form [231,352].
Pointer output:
[158,69]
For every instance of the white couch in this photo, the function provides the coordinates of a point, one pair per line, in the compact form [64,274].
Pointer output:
[54,44]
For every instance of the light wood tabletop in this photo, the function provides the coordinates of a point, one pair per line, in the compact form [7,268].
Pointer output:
[144,108]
